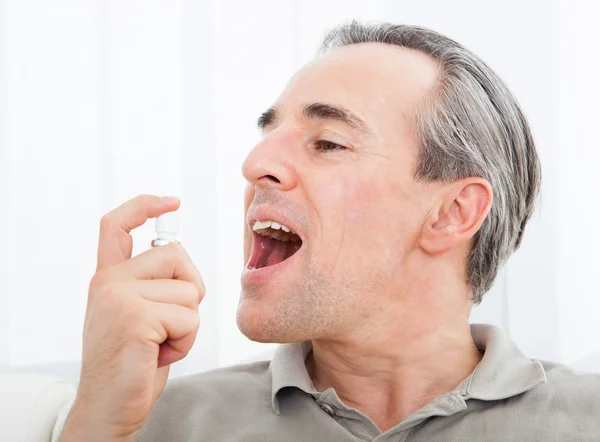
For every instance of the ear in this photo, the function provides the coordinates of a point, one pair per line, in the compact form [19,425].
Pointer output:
[458,217]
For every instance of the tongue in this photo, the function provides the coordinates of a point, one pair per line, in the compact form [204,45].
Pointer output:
[274,251]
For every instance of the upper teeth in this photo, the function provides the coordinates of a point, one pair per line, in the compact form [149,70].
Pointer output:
[258,225]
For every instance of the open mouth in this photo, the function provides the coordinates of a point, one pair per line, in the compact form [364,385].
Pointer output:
[273,244]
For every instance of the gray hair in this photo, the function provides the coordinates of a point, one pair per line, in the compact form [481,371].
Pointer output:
[470,125]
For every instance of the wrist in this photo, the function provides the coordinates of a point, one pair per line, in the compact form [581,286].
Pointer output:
[80,425]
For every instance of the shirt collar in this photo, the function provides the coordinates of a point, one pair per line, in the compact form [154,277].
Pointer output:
[289,370]
[504,371]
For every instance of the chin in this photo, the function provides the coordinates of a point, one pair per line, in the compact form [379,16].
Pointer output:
[259,322]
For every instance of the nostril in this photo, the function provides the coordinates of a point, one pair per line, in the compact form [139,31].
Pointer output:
[272,178]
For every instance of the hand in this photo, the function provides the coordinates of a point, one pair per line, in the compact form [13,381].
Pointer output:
[142,315]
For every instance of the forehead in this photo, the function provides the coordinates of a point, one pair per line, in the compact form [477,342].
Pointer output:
[372,79]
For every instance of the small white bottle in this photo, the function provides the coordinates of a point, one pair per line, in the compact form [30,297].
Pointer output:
[166,228]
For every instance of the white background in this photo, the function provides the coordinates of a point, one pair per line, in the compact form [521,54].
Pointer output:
[101,100]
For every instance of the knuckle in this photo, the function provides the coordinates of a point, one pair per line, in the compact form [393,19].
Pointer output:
[101,286]
[98,280]
[177,257]
[193,322]
[108,222]
[188,297]
[175,248]
[111,293]
[201,292]
[175,253]
[191,297]
[199,295]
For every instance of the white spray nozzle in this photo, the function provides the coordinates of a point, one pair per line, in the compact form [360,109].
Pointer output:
[167,226]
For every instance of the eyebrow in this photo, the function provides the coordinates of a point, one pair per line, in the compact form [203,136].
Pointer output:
[318,111]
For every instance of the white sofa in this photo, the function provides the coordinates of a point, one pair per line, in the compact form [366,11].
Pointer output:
[33,408]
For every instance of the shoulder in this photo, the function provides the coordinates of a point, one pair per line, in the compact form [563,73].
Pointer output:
[229,382]
[568,396]
[200,405]
[563,381]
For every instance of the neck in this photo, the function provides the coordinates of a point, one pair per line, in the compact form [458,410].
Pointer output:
[390,373]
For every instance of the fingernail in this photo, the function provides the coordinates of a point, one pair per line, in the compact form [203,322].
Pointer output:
[170,199]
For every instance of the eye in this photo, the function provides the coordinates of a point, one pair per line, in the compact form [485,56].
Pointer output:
[325,146]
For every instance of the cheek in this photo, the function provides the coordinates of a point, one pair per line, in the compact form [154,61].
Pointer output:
[367,207]
[373,223]
[355,219]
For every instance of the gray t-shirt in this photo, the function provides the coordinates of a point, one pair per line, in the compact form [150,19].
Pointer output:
[508,397]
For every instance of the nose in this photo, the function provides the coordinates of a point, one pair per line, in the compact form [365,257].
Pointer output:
[269,164]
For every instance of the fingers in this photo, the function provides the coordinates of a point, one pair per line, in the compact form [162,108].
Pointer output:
[178,324]
[168,291]
[115,243]
[173,350]
[167,262]
[171,321]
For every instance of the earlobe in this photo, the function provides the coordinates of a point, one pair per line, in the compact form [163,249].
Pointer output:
[459,216]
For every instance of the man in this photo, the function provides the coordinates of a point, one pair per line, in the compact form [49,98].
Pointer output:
[395,176]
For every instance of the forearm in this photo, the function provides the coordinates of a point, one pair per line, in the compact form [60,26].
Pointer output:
[79,426]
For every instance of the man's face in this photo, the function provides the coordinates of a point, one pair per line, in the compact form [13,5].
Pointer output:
[336,166]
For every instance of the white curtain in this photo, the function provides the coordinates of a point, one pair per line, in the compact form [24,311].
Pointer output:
[101,100]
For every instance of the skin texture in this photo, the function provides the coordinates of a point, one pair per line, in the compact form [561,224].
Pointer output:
[379,284]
